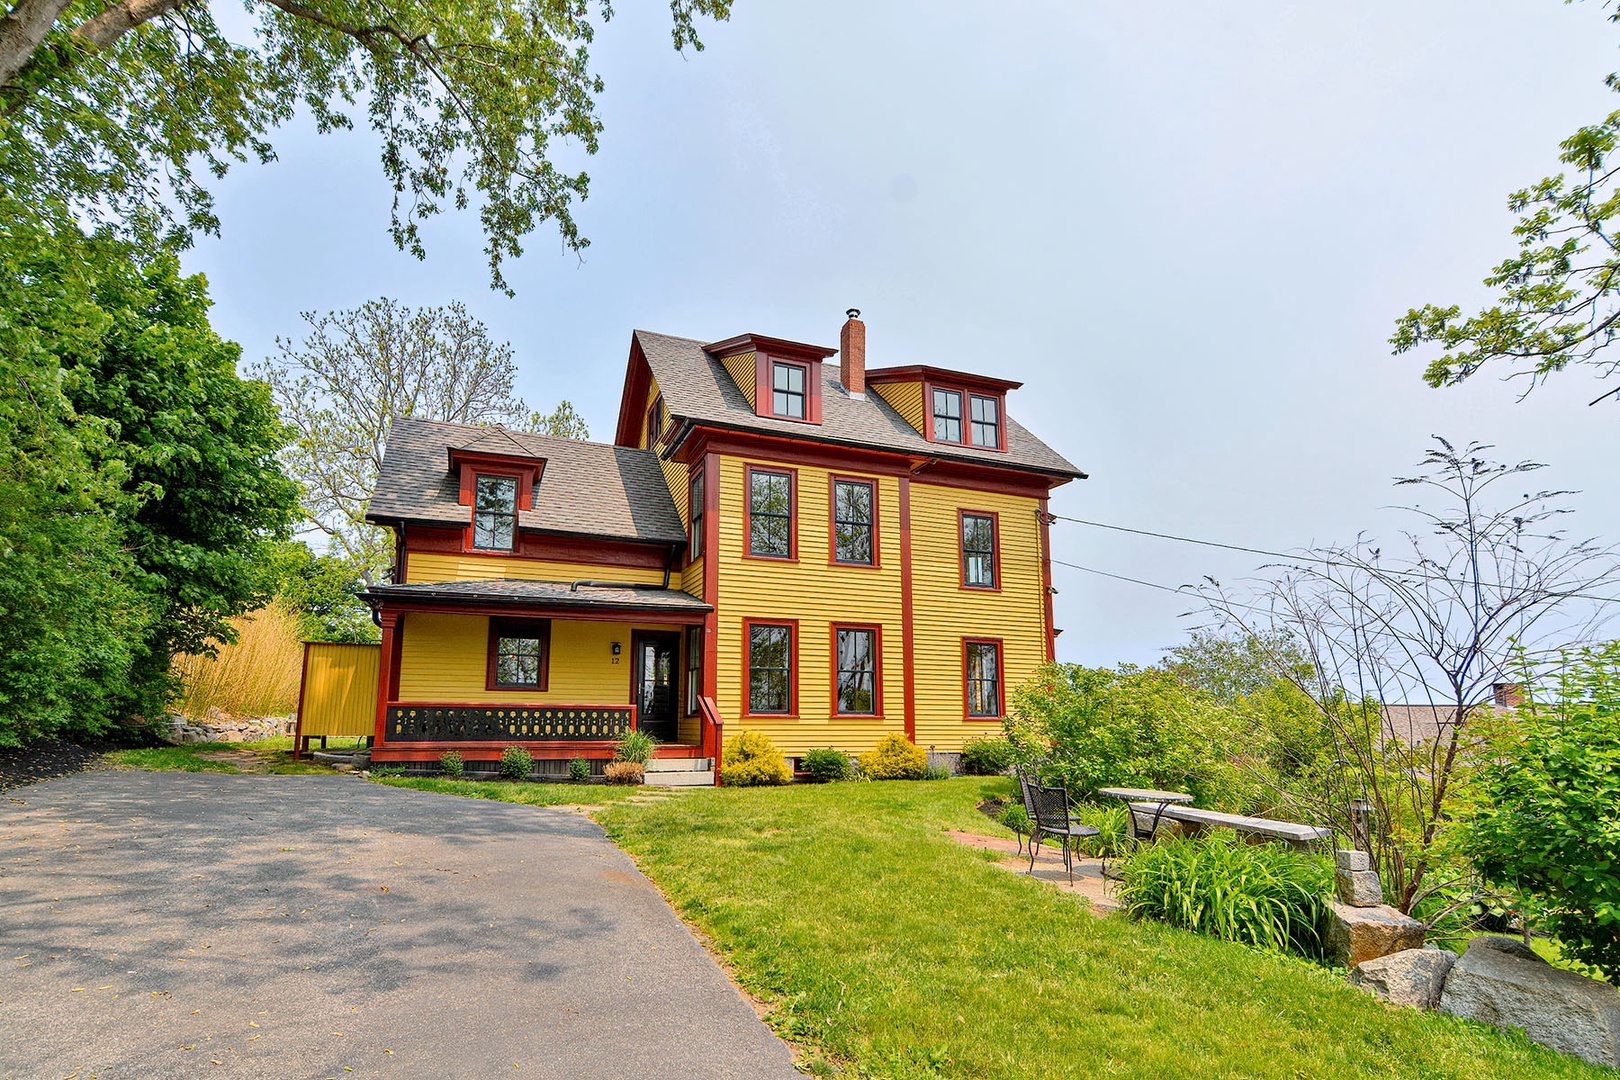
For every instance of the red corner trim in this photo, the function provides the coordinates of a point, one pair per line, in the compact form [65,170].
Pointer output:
[907,615]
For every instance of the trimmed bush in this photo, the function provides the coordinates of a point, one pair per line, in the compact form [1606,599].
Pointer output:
[516,763]
[636,746]
[624,772]
[827,765]
[579,769]
[986,757]
[751,759]
[895,758]
[450,763]
[1258,894]
[1015,817]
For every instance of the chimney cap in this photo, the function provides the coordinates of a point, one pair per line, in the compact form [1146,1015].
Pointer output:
[853,313]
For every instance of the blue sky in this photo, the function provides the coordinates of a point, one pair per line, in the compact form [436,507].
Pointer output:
[1187,227]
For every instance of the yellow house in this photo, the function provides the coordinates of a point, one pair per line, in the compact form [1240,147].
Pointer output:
[823,553]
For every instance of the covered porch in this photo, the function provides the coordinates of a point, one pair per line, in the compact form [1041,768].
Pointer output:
[562,669]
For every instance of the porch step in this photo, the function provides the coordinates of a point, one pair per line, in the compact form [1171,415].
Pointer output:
[680,764]
[685,778]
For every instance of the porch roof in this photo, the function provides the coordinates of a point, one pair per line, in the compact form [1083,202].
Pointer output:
[549,594]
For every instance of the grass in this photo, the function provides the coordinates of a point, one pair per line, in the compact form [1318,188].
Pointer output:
[525,792]
[255,676]
[273,756]
[885,949]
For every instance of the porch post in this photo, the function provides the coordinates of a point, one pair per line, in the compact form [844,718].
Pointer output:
[387,679]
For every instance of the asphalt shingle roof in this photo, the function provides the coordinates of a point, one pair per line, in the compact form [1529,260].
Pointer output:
[550,593]
[587,489]
[696,386]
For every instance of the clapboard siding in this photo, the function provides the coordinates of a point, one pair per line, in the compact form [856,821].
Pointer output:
[429,566]
[444,659]
[742,369]
[905,398]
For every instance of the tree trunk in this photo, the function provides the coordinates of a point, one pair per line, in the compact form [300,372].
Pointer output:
[22,31]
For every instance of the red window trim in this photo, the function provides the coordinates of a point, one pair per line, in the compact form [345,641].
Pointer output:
[470,472]
[765,401]
[695,516]
[877,667]
[540,628]
[1001,680]
[688,669]
[793,512]
[967,415]
[995,549]
[833,481]
[793,667]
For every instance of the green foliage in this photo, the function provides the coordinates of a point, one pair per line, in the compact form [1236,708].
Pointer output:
[1258,894]
[1231,667]
[937,772]
[636,746]
[751,759]
[1112,821]
[895,758]
[516,763]
[827,765]
[986,756]
[322,589]
[450,764]
[101,123]
[1015,817]
[1549,823]
[384,772]
[1131,727]
[579,769]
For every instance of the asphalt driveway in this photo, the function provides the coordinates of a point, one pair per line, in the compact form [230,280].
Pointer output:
[179,925]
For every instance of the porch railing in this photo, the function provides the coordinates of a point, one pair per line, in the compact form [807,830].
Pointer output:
[713,730]
[500,723]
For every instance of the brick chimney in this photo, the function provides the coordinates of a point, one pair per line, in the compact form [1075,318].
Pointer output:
[852,354]
[1507,694]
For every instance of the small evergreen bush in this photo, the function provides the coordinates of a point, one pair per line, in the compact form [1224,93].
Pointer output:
[579,769]
[751,759]
[827,765]
[516,763]
[986,757]
[636,746]
[451,764]
[895,758]
[624,772]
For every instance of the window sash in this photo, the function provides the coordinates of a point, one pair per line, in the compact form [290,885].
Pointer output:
[947,416]
[986,421]
[694,513]
[857,672]
[852,521]
[770,669]
[770,514]
[979,551]
[983,678]
[787,390]
[694,668]
[518,660]
[495,513]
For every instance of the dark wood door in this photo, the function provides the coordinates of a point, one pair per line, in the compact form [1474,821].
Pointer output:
[657,682]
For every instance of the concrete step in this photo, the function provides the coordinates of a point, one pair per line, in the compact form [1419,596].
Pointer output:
[693,778]
[680,764]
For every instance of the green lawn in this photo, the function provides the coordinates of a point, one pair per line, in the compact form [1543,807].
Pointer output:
[527,792]
[274,756]
[888,950]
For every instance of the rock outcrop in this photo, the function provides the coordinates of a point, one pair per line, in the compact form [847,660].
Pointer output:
[1413,977]
[1361,926]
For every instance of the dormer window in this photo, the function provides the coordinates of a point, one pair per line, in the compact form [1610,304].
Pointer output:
[788,390]
[947,416]
[953,407]
[986,421]
[495,513]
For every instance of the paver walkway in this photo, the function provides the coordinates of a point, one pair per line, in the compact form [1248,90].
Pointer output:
[181,925]
[1088,877]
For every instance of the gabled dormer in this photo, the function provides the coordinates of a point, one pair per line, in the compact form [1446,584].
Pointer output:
[497,486]
[781,379]
[953,408]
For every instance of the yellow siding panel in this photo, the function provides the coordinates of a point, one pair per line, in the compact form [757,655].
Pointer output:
[741,367]
[944,612]
[906,398]
[444,658]
[675,477]
[430,566]
[692,579]
[817,595]
[340,690]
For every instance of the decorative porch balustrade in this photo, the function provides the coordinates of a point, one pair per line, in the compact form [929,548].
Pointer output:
[501,723]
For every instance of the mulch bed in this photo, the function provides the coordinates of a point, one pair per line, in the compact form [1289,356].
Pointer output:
[49,759]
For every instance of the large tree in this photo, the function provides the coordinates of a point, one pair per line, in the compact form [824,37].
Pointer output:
[341,386]
[109,109]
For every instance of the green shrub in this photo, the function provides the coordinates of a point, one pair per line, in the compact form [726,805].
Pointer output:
[1258,894]
[895,758]
[938,772]
[827,765]
[1114,837]
[986,757]
[451,763]
[624,772]
[383,772]
[751,760]
[1015,817]
[636,746]
[516,763]
[579,769]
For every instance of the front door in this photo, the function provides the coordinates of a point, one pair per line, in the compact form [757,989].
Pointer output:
[657,678]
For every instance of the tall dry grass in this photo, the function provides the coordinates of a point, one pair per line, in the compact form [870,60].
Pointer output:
[256,676]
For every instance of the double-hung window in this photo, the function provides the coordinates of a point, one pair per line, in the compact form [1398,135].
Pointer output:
[694,668]
[855,654]
[770,668]
[978,551]
[986,421]
[495,513]
[947,416]
[517,654]
[983,661]
[770,514]
[788,390]
[853,516]
[694,509]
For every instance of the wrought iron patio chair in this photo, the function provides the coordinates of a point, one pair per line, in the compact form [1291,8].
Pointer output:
[1051,818]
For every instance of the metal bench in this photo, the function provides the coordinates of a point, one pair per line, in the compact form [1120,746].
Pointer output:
[1302,837]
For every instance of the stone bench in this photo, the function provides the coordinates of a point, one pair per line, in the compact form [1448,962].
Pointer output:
[1302,837]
